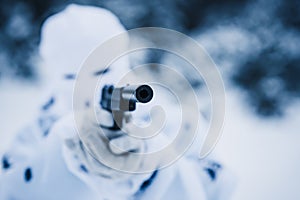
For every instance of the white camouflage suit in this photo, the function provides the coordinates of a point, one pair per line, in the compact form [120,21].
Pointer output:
[47,160]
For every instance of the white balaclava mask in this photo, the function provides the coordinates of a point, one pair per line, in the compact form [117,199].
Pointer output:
[67,39]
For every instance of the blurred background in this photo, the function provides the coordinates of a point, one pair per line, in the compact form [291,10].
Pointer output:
[255,44]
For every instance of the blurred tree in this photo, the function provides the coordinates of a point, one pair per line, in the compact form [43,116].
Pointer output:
[270,77]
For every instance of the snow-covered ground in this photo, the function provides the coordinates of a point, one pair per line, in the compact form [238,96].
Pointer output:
[264,154]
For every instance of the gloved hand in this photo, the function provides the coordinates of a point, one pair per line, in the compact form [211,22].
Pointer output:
[107,152]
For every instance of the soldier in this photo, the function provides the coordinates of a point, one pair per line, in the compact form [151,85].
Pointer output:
[48,160]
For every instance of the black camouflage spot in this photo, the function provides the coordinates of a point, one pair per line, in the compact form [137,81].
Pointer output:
[70,76]
[148,182]
[5,163]
[211,173]
[27,175]
[48,104]
[97,73]
[84,169]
